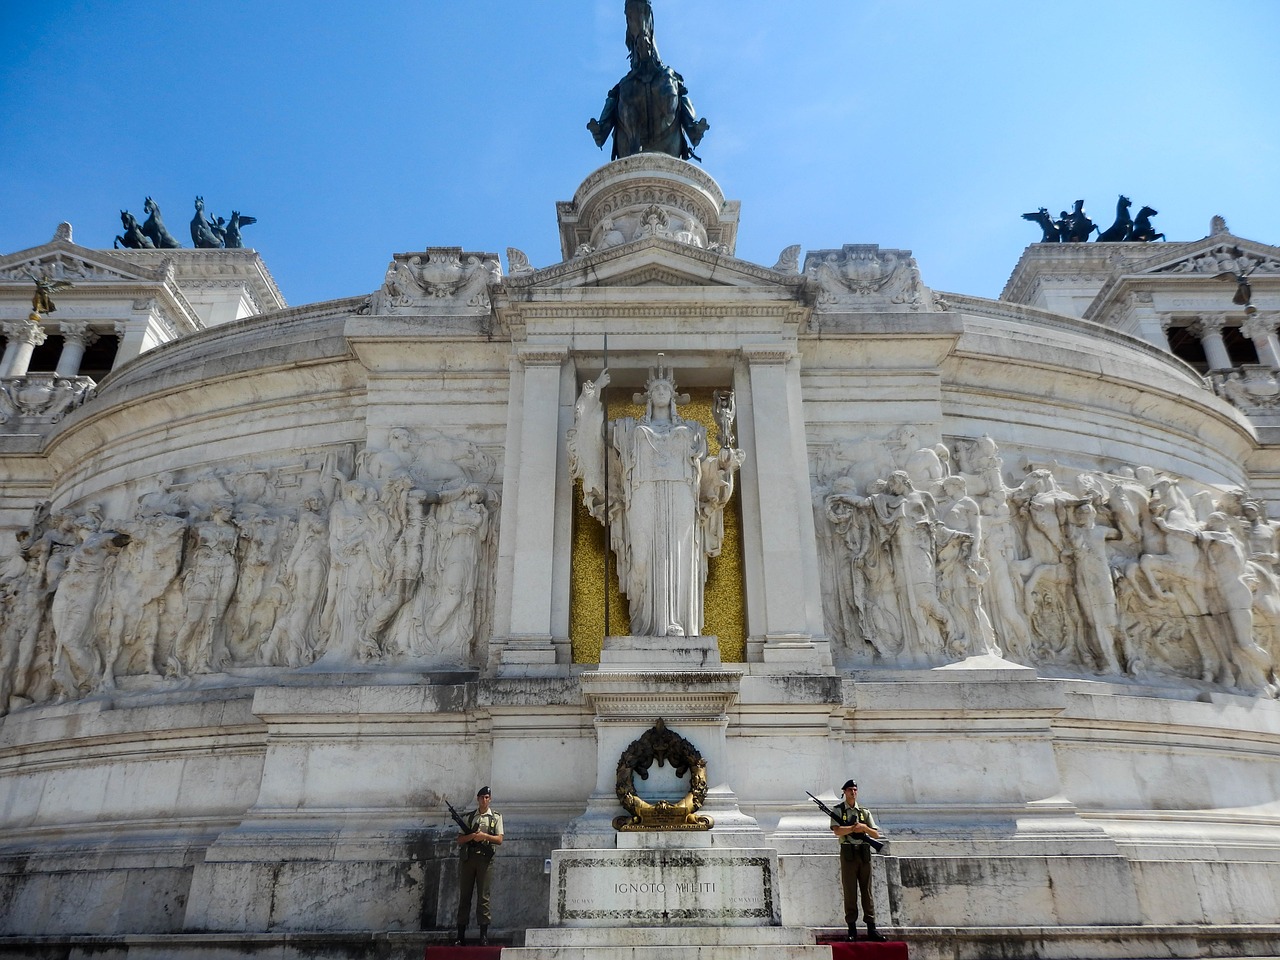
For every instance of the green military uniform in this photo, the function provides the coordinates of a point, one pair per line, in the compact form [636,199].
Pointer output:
[473,868]
[855,865]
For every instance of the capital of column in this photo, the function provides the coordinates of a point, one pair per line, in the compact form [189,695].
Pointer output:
[1212,322]
[542,356]
[78,332]
[1259,326]
[25,331]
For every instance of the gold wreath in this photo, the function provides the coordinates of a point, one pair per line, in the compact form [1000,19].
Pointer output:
[660,744]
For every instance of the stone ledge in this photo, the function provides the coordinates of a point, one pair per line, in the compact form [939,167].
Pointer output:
[926,943]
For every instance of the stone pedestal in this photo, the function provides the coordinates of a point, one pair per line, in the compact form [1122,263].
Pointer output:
[662,885]
[679,680]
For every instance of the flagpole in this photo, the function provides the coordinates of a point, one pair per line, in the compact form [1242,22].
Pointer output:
[604,402]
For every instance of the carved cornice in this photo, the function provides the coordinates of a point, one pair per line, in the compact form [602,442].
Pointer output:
[584,271]
[767,355]
[542,356]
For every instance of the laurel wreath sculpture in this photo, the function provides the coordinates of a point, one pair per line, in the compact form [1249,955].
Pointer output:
[661,745]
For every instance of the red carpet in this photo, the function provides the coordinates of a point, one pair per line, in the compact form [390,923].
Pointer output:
[463,953]
[866,950]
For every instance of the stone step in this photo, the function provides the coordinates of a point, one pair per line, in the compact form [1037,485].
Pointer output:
[670,943]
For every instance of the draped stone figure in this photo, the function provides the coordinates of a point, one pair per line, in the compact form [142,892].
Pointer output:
[1231,599]
[665,503]
[409,511]
[208,582]
[302,585]
[462,522]
[1095,594]
[963,570]
[77,661]
[906,518]
[144,570]
[351,576]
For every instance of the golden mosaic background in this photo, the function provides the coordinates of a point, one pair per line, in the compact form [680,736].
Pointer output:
[725,614]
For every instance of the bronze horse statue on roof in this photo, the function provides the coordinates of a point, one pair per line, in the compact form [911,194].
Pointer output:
[155,230]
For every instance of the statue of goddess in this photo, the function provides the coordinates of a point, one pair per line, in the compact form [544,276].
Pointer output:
[665,506]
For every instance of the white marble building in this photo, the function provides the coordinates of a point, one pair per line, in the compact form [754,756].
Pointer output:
[277,582]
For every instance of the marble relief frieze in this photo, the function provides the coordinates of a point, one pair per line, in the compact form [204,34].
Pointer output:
[934,552]
[333,557]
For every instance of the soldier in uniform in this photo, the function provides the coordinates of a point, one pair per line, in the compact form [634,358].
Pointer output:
[855,860]
[475,857]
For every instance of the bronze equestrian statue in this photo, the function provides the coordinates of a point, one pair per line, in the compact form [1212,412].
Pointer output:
[649,111]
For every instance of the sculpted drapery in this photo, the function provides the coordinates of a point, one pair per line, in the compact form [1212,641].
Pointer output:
[666,502]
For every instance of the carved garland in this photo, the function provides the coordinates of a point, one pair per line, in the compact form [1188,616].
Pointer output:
[660,744]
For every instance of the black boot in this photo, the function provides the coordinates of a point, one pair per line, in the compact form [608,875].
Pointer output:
[462,937]
[853,931]
[873,933]
[484,936]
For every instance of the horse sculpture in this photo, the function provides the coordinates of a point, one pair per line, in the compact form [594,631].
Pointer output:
[1122,228]
[1142,230]
[1046,223]
[155,229]
[203,234]
[134,238]
[231,234]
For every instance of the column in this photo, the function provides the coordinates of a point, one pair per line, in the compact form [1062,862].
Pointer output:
[1215,351]
[1261,329]
[528,531]
[788,610]
[76,337]
[24,336]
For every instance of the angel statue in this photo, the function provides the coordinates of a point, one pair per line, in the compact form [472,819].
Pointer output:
[41,301]
[665,501]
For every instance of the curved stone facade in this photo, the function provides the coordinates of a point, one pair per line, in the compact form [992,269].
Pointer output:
[302,577]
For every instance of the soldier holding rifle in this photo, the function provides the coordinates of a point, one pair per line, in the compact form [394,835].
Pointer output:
[856,830]
[481,834]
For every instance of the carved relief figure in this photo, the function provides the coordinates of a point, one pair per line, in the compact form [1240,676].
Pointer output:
[906,518]
[962,570]
[77,661]
[461,522]
[144,571]
[208,582]
[292,641]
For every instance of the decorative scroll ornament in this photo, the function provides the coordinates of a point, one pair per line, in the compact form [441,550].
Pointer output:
[663,745]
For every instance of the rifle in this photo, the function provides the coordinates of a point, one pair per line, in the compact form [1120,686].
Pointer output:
[462,824]
[875,845]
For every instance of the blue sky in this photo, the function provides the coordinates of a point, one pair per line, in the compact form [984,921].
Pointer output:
[353,131]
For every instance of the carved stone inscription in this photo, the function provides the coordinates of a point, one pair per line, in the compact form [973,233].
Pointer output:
[664,888]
